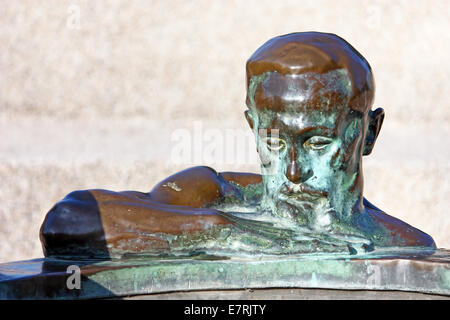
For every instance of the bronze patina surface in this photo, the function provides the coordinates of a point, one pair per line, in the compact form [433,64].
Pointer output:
[309,99]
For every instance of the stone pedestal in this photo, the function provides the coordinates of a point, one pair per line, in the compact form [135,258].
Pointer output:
[378,276]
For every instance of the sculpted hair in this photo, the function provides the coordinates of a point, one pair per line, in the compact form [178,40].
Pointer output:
[325,57]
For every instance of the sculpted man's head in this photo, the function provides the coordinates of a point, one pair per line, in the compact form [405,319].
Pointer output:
[310,97]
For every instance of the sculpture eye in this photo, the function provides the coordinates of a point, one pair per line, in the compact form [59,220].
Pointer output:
[317,142]
[275,144]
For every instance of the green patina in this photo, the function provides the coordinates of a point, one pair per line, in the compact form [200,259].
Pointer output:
[187,275]
[445,278]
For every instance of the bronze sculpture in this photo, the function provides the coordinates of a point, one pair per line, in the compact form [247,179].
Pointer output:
[309,98]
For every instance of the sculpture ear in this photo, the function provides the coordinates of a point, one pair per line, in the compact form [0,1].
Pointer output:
[248,116]
[376,118]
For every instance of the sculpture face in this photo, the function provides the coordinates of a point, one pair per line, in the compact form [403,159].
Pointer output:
[310,143]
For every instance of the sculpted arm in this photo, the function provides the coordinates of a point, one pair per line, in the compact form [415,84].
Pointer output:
[96,222]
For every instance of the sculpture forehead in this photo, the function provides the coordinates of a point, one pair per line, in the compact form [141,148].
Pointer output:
[300,122]
[309,91]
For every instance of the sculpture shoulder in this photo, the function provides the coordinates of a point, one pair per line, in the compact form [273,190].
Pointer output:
[242,178]
[396,231]
[198,186]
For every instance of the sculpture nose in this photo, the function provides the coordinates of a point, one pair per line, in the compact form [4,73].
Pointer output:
[293,172]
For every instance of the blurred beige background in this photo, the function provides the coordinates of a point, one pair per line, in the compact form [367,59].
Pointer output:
[92,91]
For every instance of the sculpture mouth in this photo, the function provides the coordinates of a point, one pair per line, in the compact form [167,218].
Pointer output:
[301,192]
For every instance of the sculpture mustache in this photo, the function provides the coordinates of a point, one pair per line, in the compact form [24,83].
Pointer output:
[301,191]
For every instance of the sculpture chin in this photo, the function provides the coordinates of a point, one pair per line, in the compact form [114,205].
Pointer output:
[315,213]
